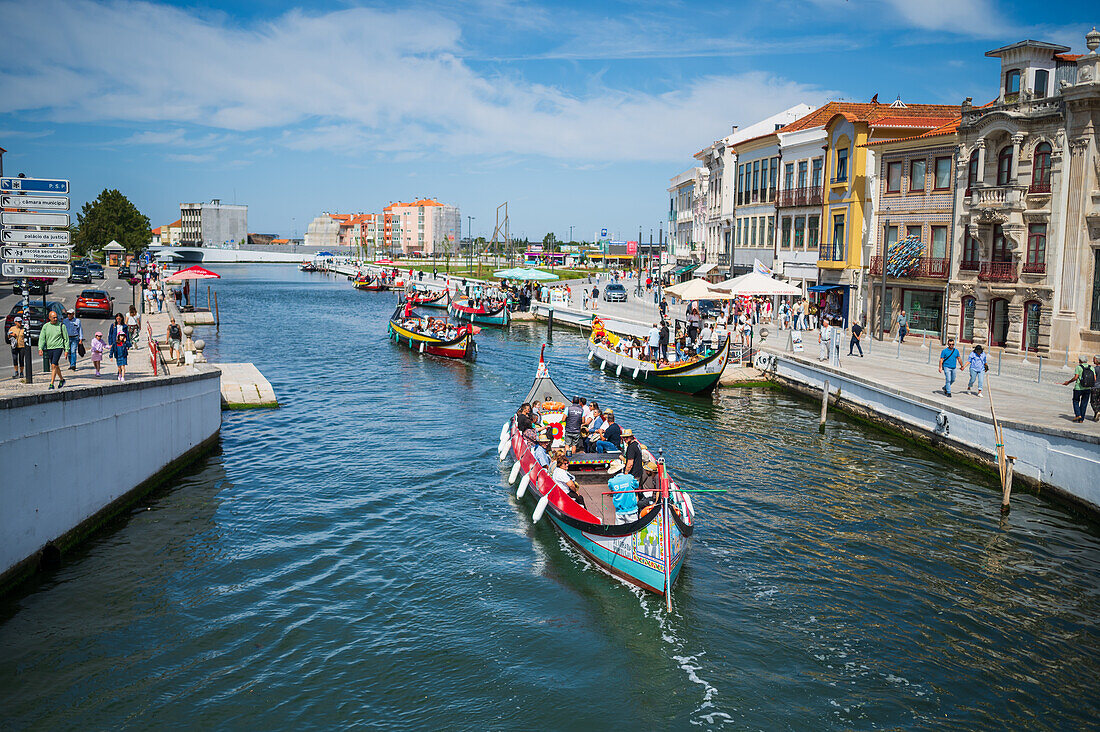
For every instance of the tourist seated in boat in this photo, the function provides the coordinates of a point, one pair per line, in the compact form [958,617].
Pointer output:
[623,487]
[591,414]
[539,444]
[523,417]
[565,479]
[609,438]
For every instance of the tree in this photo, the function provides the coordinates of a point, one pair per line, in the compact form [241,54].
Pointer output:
[111,216]
[548,242]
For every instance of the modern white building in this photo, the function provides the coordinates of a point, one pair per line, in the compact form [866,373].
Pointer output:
[802,165]
[213,224]
[685,190]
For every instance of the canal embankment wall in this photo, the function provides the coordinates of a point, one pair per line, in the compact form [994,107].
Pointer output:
[71,458]
[1062,462]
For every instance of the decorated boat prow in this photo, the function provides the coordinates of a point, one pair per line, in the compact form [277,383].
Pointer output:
[697,375]
[646,547]
[424,298]
[485,312]
[434,336]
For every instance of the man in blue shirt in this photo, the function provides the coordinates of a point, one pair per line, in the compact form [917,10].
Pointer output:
[76,336]
[541,455]
[626,503]
[949,362]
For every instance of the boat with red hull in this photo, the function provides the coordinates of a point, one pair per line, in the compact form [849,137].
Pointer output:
[485,312]
[648,551]
[451,340]
[429,299]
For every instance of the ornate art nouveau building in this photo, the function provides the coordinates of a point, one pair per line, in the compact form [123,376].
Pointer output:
[1026,250]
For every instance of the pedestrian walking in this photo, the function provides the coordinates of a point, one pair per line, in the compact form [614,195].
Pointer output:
[99,346]
[587,296]
[17,339]
[1095,398]
[653,341]
[1083,380]
[52,342]
[824,337]
[160,299]
[133,324]
[174,335]
[117,328]
[903,326]
[75,331]
[596,294]
[949,364]
[120,352]
[978,364]
[857,335]
[664,308]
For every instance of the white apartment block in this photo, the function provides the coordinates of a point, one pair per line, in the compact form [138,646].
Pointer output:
[685,191]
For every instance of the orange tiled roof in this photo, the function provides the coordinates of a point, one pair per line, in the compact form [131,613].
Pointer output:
[176,224]
[280,241]
[156,231]
[948,128]
[873,112]
[339,217]
[1068,56]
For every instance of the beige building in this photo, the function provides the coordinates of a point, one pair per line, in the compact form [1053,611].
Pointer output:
[421,228]
[1026,267]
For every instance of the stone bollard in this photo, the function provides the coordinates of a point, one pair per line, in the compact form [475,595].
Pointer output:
[199,345]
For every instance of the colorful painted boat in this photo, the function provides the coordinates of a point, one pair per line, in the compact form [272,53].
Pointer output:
[307,267]
[698,377]
[372,285]
[647,552]
[487,313]
[462,346]
[429,299]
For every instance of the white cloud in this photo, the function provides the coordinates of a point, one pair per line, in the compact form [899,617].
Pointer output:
[357,80]
[190,157]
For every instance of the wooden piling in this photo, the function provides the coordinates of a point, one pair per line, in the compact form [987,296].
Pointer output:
[824,406]
[1006,493]
[217,317]
[208,298]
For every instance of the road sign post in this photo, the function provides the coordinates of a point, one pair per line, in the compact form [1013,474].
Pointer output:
[34,185]
[24,269]
[48,203]
[36,254]
[33,218]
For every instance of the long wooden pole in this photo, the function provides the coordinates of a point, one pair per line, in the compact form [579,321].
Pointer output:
[1002,462]
[217,316]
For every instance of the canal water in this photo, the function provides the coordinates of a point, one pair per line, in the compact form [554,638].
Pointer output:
[356,558]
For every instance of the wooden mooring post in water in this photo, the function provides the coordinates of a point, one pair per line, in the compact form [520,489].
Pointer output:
[217,317]
[824,406]
[1006,464]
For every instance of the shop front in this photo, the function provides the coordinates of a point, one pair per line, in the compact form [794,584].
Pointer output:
[831,299]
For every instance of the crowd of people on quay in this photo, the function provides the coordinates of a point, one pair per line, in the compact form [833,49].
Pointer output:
[556,431]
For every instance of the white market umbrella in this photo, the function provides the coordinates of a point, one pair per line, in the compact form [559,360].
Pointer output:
[755,283]
[695,289]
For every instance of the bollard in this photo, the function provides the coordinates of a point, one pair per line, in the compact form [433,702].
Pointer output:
[550,323]
[1040,379]
[999,354]
[217,316]
[899,348]
[929,346]
[824,406]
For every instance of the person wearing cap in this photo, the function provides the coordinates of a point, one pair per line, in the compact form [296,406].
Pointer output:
[1083,379]
[624,492]
[98,347]
[17,339]
[75,330]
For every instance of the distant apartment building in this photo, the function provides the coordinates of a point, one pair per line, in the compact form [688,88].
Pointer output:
[213,224]
[420,228]
[324,231]
[685,234]
[168,235]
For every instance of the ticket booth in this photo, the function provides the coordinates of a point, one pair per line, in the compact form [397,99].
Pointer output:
[114,253]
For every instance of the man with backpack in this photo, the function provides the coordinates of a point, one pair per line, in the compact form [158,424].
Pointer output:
[949,363]
[1083,379]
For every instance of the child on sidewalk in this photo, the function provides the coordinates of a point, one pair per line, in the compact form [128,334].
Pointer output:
[119,352]
[98,347]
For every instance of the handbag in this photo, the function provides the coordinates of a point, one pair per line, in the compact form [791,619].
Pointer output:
[80,349]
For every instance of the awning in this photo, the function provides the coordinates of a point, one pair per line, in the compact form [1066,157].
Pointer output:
[684,270]
[665,269]
[826,288]
[704,269]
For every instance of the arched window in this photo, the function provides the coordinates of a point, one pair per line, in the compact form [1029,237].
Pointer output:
[972,172]
[1004,165]
[1033,311]
[966,330]
[1040,170]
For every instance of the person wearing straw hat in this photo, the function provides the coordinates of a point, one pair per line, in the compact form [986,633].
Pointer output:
[624,492]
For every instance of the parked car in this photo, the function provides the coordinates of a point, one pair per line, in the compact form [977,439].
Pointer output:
[36,319]
[124,272]
[79,273]
[614,293]
[96,303]
[36,286]
[710,309]
[95,269]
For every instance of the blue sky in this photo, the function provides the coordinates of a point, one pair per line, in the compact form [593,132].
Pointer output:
[577,113]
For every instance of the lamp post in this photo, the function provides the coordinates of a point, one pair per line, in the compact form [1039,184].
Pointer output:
[882,292]
[469,238]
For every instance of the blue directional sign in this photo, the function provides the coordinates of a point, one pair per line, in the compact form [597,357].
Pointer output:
[34,185]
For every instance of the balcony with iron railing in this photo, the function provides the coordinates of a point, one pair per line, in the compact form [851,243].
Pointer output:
[1038,188]
[829,252]
[997,272]
[805,196]
[1035,268]
[969,265]
[935,268]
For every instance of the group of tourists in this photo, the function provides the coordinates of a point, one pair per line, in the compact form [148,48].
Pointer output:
[555,431]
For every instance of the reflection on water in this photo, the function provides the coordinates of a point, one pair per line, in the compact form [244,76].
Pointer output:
[356,557]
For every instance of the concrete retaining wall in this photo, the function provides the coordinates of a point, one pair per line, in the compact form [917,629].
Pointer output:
[1063,462]
[69,456]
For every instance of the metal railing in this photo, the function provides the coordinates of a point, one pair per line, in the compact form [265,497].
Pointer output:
[1039,187]
[1035,268]
[805,196]
[997,272]
[931,267]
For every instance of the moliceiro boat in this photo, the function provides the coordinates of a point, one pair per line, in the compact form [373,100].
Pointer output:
[698,375]
[429,299]
[486,312]
[435,336]
[647,551]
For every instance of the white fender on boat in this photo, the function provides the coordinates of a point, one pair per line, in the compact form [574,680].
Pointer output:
[523,483]
[422,348]
[505,431]
[541,508]
[514,474]
[503,450]
[591,355]
[635,373]
[603,364]
[619,371]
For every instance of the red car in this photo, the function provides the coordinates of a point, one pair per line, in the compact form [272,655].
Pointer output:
[94,302]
